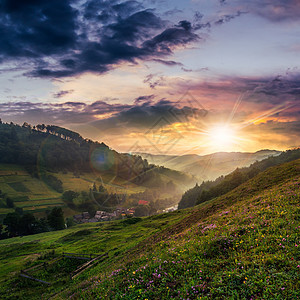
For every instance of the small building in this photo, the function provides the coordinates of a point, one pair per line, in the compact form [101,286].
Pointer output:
[86,215]
[99,214]
[82,218]
[77,218]
[131,211]
[143,202]
[93,220]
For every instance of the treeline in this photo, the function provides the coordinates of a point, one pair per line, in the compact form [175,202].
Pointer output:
[45,148]
[224,184]
[19,223]
[96,199]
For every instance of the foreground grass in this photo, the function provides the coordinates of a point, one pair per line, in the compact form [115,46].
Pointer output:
[247,249]
[116,238]
[244,245]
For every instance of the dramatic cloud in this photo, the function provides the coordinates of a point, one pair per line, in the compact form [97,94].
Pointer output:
[154,80]
[61,94]
[272,90]
[144,99]
[266,111]
[59,113]
[227,18]
[150,114]
[142,114]
[168,62]
[275,10]
[66,38]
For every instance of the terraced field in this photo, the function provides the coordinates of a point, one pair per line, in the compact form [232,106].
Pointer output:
[34,195]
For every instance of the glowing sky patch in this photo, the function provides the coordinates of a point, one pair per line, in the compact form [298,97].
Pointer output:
[113,70]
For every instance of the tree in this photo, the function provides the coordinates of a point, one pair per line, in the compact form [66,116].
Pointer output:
[102,189]
[10,203]
[70,222]
[54,183]
[12,221]
[27,224]
[69,196]
[56,219]
[3,234]
[141,211]
[42,225]
[19,210]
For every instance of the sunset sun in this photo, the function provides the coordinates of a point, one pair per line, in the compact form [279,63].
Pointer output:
[221,137]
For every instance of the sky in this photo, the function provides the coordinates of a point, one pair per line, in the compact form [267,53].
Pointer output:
[162,77]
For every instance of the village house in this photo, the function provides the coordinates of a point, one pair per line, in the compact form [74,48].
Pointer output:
[143,202]
[104,216]
[82,218]
[101,216]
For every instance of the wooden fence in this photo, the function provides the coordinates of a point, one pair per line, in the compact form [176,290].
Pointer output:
[93,259]
[25,275]
[80,256]
[87,265]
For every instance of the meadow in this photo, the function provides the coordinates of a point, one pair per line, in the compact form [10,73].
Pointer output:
[243,245]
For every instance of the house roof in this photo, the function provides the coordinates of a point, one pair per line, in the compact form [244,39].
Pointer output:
[143,202]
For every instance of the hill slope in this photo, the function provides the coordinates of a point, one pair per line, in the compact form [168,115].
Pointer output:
[224,184]
[37,164]
[242,245]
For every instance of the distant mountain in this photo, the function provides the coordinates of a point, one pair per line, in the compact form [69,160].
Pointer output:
[224,184]
[208,167]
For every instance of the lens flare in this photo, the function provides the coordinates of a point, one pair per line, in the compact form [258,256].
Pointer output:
[102,159]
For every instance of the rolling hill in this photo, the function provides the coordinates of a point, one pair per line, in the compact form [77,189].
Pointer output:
[38,163]
[208,167]
[242,245]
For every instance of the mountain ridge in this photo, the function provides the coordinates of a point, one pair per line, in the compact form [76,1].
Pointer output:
[209,166]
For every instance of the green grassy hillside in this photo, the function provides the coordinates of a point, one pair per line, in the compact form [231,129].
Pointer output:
[243,245]
[29,193]
[34,195]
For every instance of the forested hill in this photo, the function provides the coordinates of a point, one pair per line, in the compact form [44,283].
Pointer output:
[52,148]
[224,184]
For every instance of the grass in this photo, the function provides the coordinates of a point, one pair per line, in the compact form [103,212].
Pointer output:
[19,187]
[248,248]
[243,245]
[113,237]
[23,189]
